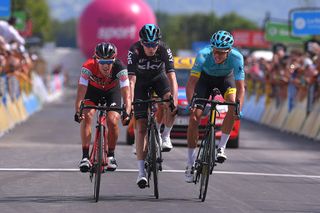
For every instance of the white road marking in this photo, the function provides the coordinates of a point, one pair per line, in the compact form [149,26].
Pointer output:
[165,171]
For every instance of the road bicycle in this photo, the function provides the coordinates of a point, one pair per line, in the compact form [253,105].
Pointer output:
[153,161]
[207,152]
[98,154]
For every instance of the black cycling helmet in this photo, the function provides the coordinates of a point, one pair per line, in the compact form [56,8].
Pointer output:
[150,33]
[105,50]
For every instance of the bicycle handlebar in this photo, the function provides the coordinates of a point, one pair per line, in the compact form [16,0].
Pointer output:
[215,102]
[101,107]
[157,100]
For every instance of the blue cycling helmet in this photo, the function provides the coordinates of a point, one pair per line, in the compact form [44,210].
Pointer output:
[150,33]
[222,40]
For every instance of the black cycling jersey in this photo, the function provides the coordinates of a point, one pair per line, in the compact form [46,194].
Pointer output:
[148,67]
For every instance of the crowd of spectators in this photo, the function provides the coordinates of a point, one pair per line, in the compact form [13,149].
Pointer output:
[291,76]
[16,63]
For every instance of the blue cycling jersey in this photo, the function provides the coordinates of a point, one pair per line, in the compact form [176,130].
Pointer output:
[205,63]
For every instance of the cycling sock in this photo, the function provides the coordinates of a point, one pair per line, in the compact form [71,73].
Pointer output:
[191,156]
[141,168]
[110,153]
[85,152]
[158,125]
[166,131]
[223,141]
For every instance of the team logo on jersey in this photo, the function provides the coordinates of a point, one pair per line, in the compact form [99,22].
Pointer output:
[130,57]
[123,75]
[85,71]
[170,55]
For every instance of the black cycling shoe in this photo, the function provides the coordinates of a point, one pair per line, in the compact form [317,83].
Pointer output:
[142,182]
[84,165]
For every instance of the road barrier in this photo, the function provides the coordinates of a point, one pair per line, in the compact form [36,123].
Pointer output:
[18,100]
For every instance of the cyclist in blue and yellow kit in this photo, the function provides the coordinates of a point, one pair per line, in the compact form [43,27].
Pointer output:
[216,66]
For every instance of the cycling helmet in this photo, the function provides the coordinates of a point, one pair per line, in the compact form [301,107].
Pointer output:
[150,33]
[222,40]
[105,50]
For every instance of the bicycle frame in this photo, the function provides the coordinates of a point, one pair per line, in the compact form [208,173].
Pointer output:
[154,156]
[101,128]
[99,149]
[206,156]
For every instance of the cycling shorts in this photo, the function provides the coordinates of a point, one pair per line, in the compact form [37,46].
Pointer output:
[112,96]
[160,85]
[206,83]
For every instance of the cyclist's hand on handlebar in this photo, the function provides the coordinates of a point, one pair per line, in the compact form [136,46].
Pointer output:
[126,118]
[238,117]
[77,117]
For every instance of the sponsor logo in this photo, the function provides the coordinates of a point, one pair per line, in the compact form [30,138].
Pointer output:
[108,33]
[130,57]
[149,67]
[170,55]
[123,75]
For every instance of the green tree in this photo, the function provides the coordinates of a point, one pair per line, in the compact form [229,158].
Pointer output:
[38,12]
[233,21]
[179,31]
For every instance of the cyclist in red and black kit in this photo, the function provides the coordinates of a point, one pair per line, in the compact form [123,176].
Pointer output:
[150,64]
[100,78]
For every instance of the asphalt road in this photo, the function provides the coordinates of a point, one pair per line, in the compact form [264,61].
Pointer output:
[270,172]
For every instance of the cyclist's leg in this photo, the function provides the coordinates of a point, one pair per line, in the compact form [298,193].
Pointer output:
[229,91]
[85,128]
[85,132]
[162,87]
[160,116]
[202,90]
[140,114]
[113,98]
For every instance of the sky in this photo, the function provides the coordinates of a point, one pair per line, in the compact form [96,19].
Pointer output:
[254,10]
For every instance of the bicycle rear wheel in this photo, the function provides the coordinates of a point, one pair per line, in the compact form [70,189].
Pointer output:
[153,163]
[98,163]
[206,160]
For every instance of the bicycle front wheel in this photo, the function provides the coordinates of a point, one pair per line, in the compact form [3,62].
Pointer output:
[206,160]
[153,163]
[98,165]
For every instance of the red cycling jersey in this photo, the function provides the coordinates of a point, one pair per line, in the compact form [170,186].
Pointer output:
[90,74]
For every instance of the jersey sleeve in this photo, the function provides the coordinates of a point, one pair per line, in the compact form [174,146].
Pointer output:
[132,61]
[197,67]
[238,68]
[85,73]
[168,59]
[122,74]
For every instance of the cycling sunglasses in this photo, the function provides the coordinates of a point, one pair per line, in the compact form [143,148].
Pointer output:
[105,61]
[220,51]
[150,44]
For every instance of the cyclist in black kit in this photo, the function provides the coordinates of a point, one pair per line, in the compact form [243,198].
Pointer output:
[150,64]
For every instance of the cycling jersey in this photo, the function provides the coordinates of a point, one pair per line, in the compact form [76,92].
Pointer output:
[91,75]
[205,63]
[150,71]
[147,67]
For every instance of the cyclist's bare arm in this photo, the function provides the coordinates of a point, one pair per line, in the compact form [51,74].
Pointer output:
[191,84]
[173,86]
[125,92]
[132,80]
[240,91]
[81,92]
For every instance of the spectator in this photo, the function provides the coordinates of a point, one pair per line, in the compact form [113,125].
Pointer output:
[9,33]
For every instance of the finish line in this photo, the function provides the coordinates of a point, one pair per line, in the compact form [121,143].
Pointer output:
[164,171]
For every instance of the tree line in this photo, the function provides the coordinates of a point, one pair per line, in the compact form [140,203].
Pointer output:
[179,31]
